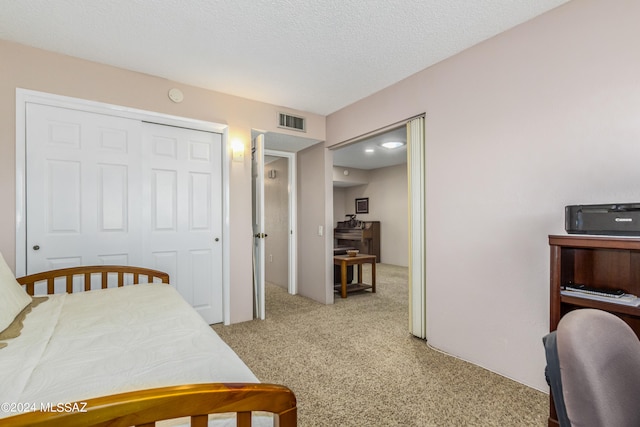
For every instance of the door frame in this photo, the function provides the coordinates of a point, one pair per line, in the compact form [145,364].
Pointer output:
[293,234]
[24,96]
[416,187]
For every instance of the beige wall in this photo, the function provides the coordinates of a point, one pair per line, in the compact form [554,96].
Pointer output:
[313,249]
[28,68]
[539,117]
[353,177]
[276,222]
[339,206]
[387,192]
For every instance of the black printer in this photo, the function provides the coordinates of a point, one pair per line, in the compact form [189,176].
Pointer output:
[621,219]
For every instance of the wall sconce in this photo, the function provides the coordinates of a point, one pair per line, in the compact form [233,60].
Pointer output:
[237,150]
[272,174]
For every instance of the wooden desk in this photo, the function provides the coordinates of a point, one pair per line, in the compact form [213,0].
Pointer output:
[600,261]
[344,261]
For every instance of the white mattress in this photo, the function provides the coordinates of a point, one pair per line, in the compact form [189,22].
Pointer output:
[78,346]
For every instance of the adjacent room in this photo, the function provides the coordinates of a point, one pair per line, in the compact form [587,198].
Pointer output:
[129,136]
[370,202]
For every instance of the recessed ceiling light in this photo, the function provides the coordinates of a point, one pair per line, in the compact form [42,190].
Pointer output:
[369,150]
[392,144]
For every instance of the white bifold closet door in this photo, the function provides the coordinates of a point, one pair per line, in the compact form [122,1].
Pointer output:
[182,227]
[102,189]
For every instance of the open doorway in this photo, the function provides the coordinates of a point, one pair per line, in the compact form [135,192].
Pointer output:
[370,201]
[278,256]
[415,215]
[374,170]
[280,219]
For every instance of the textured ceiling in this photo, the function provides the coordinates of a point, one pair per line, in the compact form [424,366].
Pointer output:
[315,55]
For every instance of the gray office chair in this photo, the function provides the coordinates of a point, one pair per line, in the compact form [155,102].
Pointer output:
[593,369]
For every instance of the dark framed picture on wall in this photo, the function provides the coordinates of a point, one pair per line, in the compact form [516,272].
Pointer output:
[362,205]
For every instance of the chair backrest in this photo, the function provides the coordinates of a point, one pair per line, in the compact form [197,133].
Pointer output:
[552,374]
[598,356]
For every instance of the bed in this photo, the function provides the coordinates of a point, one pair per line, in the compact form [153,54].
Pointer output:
[132,352]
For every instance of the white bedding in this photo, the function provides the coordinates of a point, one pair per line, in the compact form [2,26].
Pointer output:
[78,346]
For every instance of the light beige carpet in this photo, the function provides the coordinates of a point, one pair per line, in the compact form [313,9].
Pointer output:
[354,363]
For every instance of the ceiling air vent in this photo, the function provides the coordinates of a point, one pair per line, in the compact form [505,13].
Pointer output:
[288,121]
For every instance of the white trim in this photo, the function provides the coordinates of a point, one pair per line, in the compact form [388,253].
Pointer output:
[115,110]
[21,191]
[293,207]
[24,96]
[417,226]
[227,155]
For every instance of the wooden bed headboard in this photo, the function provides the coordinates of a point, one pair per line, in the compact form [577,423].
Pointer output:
[88,272]
[143,408]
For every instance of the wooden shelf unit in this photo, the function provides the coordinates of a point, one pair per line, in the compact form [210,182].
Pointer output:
[598,261]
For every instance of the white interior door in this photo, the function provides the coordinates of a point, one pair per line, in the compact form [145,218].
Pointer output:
[257,172]
[82,171]
[110,190]
[182,197]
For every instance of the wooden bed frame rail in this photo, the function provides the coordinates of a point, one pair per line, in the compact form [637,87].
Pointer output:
[88,272]
[144,408]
